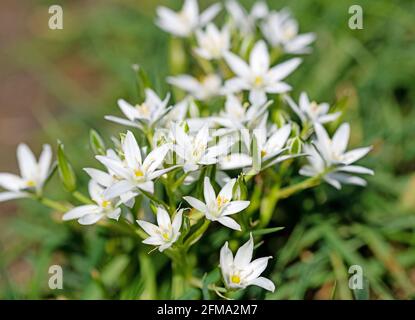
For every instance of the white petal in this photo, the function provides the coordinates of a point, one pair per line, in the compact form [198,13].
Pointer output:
[163,219]
[115,214]
[230,223]
[341,138]
[103,178]
[323,141]
[356,154]
[81,211]
[27,162]
[237,65]
[256,267]
[209,14]
[257,96]
[115,166]
[11,182]
[129,111]
[95,190]
[147,186]
[177,221]
[155,158]
[121,121]
[208,192]
[235,161]
[244,254]
[259,58]
[263,283]
[282,70]
[356,169]
[90,218]
[235,207]
[226,260]
[195,203]
[44,162]
[6,196]
[149,228]
[132,151]
[226,192]
[118,189]
[155,241]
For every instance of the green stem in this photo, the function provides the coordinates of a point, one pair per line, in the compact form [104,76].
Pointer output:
[306,184]
[153,198]
[180,181]
[196,282]
[196,235]
[82,198]
[58,206]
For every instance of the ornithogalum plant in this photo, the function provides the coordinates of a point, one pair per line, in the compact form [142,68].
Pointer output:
[194,159]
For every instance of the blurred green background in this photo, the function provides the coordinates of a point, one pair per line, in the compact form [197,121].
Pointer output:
[60,83]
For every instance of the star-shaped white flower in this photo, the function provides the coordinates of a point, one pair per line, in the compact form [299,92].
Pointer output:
[142,115]
[133,173]
[219,208]
[165,233]
[280,29]
[328,157]
[33,174]
[312,111]
[186,21]
[193,151]
[245,22]
[212,43]
[240,272]
[257,76]
[207,87]
[92,213]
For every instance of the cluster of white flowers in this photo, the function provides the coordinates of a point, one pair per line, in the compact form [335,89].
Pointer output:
[239,139]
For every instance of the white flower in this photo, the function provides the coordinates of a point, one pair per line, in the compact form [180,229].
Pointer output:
[185,22]
[133,173]
[92,213]
[33,174]
[244,21]
[142,115]
[330,158]
[237,116]
[258,77]
[270,144]
[219,208]
[280,29]
[240,272]
[193,151]
[312,111]
[207,87]
[212,43]
[165,233]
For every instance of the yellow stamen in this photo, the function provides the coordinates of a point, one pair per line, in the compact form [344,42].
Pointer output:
[259,81]
[165,236]
[31,184]
[143,108]
[263,153]
[221,201]
[105,203]
[138,173]
[236,279]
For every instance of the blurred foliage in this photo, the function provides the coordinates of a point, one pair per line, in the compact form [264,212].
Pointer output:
[368,73]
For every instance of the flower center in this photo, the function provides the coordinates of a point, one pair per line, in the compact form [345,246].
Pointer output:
[31,183]
[138,173]
[221,201]
[166,236]
[258,81]
[236,279]
[105,204]
[143,109]
[263,153]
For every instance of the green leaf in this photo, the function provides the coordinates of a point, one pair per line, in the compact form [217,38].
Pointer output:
[97,143]
[66,172]
[295,145]
[261,232]
[256,155]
